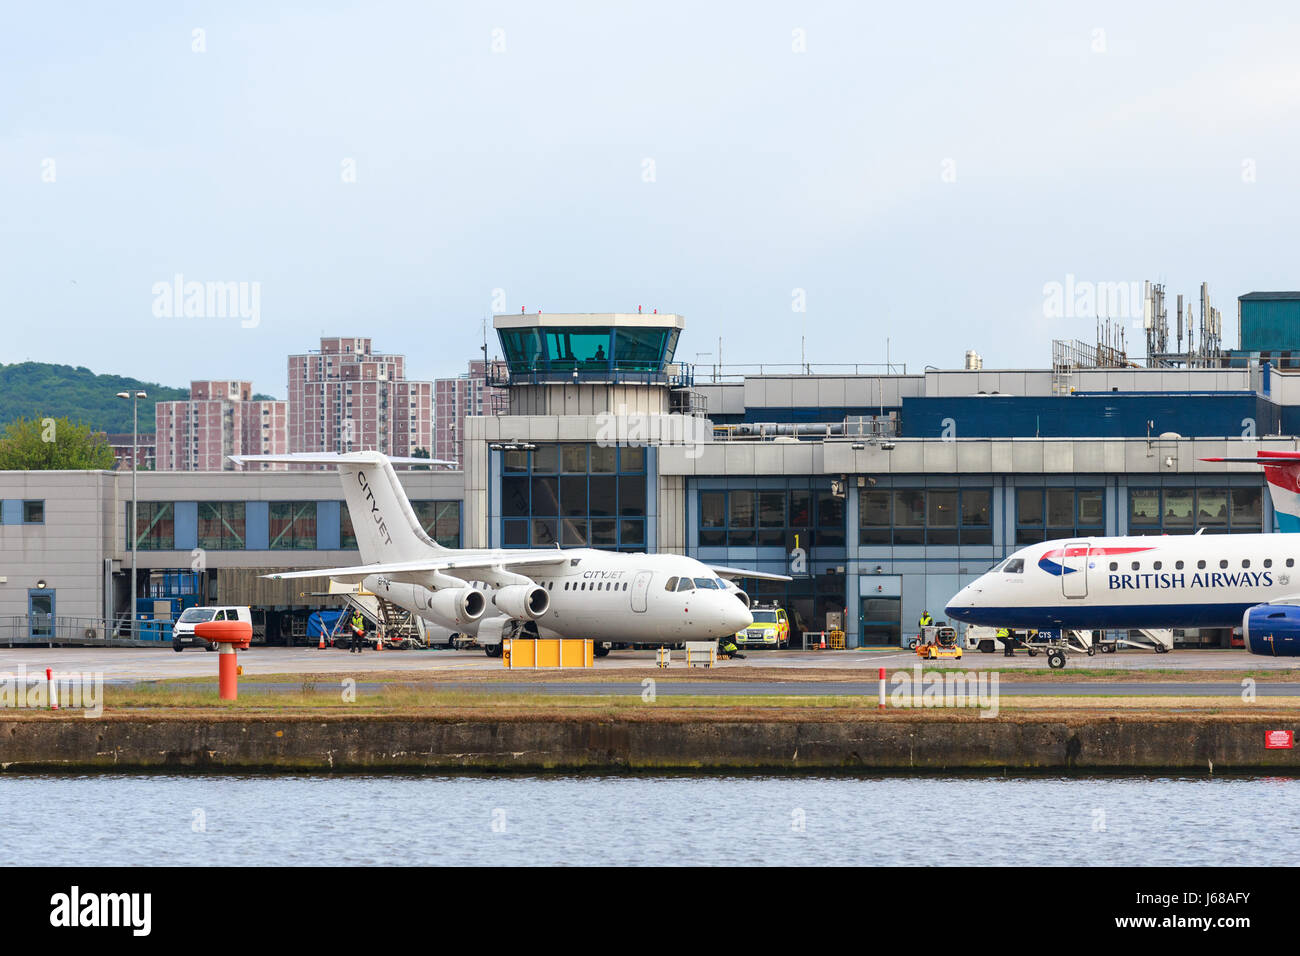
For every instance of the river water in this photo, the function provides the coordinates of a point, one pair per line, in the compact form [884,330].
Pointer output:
[642,820]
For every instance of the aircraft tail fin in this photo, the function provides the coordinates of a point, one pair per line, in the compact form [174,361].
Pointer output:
[1282,472]
[383,520]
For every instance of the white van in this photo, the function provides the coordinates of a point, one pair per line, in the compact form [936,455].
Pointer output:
[183,630]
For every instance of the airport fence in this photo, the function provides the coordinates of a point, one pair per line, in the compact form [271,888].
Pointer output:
[43,630]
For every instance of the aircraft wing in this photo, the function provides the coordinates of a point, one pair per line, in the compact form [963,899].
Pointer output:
[337,458]
[1264,458]
[400,569]
[730,573]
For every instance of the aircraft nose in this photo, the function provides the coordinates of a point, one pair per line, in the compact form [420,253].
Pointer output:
[960,604]
[735,616]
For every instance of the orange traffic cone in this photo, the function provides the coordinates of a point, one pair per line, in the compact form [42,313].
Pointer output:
[321,645]
[379,640]
[822,646]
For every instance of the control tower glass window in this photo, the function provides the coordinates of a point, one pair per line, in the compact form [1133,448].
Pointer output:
[523,348]
[639,350]
[577,348]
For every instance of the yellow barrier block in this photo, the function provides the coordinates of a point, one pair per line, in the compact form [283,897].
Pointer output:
[548,652]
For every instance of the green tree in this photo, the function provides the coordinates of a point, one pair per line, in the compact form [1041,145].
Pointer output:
[38,390]
[46,444]
[421,453]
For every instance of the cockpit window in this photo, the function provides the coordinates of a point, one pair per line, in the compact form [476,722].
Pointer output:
[710,584]
[671,585]
[685,584]
[1014,566]
[722,585]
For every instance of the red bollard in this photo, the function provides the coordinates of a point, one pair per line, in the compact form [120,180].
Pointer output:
[882,689]
[228,673]
[229,634]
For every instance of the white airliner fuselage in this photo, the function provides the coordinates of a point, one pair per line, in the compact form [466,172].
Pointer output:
[605,594]
[608,596]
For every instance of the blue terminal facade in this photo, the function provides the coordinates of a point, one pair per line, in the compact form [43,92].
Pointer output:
[950,471]
[881,495]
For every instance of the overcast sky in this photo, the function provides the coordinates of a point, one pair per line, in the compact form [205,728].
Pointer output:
[916,173]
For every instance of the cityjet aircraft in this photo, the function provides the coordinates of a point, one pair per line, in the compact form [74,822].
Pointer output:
[578,592]
[1161,581]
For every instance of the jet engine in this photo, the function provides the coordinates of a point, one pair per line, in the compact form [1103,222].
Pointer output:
[522,601]
[1272,630]
[458,608]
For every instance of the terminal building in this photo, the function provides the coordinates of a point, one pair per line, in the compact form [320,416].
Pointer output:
[881,495]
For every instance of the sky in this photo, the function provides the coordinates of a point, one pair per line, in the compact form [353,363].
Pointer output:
[843,180]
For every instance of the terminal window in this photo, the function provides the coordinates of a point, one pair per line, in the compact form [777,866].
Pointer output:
[292,526]
[574,494]
[925,516]
[1225,510]
[749,518]
[440,521]
[1043,514]
[221,525]
[155,526]
[33,512]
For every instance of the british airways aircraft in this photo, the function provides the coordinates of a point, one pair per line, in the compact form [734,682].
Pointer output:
[1160,581]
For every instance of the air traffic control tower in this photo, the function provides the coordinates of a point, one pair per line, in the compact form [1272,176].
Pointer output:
[593,397]
[589,363]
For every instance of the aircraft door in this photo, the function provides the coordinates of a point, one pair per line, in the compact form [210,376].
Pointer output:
[1074,569]
[640,590]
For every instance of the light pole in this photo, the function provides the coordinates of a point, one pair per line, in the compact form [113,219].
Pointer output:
[135,429]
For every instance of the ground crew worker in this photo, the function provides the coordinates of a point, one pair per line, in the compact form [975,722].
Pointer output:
[727,648]
[1004,636]
[926,619]
[358,633]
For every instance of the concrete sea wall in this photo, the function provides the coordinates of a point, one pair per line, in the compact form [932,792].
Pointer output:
[892,743]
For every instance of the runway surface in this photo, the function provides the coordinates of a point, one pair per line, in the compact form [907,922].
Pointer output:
[667,688]
[143,664]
